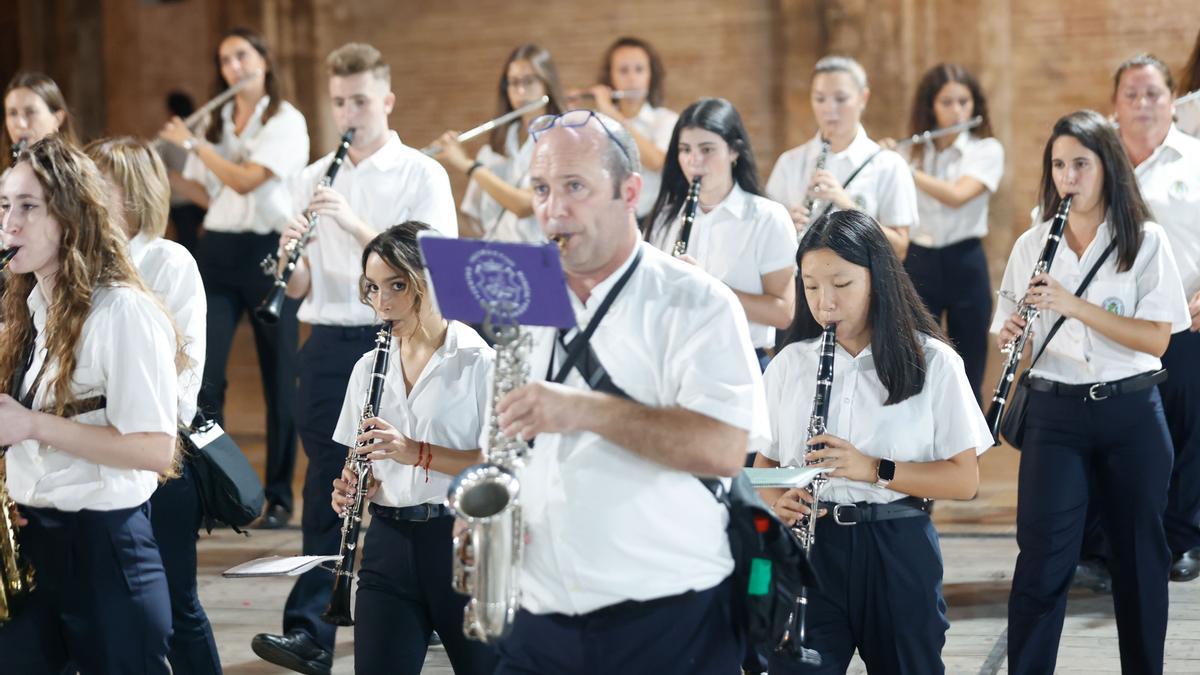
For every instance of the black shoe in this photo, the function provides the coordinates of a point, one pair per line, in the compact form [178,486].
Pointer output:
[1092,573]
[275,518]
[294,651]
[1186,566]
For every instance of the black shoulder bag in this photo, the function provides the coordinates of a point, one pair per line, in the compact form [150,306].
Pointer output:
[229,488]
[770,566]
[1012,428]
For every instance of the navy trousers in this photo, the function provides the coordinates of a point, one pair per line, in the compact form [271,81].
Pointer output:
[234,284]
[1119,448]
[101,602]
[954,281]
[881,593]
[325,364]
[404,594]
[175,517]
[689,634]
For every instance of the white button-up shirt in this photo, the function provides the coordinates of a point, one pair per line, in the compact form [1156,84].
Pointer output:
[280,145]
[1078,354]
[395,184]
[170,271]
[1170,183]
[1187,117]
[604,524]
[126,352]
[941,225]
[656,124]
[937,423]
[498,223]
[883,190]
[446,407]
[742,239]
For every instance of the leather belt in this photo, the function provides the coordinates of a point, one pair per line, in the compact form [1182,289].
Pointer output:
[1098,391]
[857,513]
[418,513]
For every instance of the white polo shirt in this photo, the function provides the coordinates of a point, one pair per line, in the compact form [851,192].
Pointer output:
[603,524]
[883,190]
[280,145]
[170,271]
[742,239]
[937,423]
[1078,354]
[656,124]
[126,352]
[446,407]
[1170,183]
[941,225]
[498,223]
[395,184]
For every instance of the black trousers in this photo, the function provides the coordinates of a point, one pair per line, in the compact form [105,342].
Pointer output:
[1119,448]
[881,594]
[235,285]
[688,634]
[404,595]
[325,364]
[1181,406]
[175,517]
[954,281]
[101,602]
[188,219]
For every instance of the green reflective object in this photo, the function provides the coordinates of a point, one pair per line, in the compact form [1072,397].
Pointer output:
[760,577]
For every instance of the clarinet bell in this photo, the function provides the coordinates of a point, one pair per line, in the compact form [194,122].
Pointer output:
[272,306]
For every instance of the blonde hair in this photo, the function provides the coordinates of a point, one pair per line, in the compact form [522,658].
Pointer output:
[356,57]
[91,255]
[842,64]
[138,170]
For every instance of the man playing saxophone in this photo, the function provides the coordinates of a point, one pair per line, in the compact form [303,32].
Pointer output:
[626,560]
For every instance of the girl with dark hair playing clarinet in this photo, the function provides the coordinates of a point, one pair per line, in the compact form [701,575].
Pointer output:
[1095,418]
[903,428]
[738,235]
[427,431]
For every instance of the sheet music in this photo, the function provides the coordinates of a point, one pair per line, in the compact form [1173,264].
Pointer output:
[277,566]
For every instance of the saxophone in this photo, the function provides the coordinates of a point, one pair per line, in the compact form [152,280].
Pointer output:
[794,638]
[487,556]
[16,575]
[338,610]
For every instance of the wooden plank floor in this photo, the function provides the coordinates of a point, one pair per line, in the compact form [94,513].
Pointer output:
[977,544]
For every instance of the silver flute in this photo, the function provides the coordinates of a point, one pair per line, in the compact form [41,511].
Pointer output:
[492,124]
[938,133]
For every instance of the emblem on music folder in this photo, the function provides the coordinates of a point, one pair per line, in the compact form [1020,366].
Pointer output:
[495,281]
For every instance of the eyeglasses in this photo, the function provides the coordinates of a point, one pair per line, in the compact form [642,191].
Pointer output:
[574,119]
[521,82]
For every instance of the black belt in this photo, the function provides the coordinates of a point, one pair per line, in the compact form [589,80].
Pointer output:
[418,513]
[1098,391]
[857,513]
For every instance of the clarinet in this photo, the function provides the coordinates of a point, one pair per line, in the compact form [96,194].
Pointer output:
[822,157]
[1013,350]
[268,312]
[16,150]
[338,610]
[806,531]
[689,217]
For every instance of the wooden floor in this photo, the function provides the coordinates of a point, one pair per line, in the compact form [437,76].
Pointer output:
[977,544]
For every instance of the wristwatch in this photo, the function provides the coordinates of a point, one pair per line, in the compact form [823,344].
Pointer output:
[189,144]
[885,471]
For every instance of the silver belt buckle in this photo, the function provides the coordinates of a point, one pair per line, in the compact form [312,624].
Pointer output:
[837,513]
[1092,391]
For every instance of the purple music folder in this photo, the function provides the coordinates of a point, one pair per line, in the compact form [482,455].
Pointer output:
[518,282]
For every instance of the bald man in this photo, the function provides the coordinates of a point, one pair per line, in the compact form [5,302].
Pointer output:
[627,563]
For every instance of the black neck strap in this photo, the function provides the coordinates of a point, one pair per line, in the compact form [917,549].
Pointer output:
[581,341]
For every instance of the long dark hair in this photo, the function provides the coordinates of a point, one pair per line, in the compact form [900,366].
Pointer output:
[896,315]
[923,117]
[658,73]
[1189,79]
[270,81]
[397,246]
[1126,211]
[543,66]
[720,117]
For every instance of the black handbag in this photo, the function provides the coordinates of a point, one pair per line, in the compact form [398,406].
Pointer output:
[230,491]
[1012,427]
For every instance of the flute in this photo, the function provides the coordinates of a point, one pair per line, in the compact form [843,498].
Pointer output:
[938,133]
[617,94]
[492,124]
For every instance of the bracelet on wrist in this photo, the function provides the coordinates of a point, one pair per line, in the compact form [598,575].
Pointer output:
[474,165]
